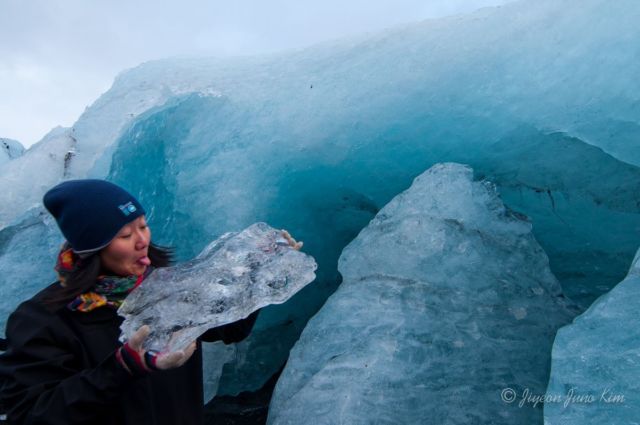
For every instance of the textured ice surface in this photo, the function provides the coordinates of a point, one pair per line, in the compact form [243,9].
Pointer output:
[217,353]
[596,361]
[539,96]
[10,149]
[28,249]
[447,299]
[583,216]
[26,178]
[232,277]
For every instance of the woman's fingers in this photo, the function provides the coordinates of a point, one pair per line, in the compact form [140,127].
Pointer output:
[189,351]
[136,340]
[176,358]
[292,242]
[169,360]
[136,360]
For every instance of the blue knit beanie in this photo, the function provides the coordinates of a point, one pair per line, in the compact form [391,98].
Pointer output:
[90,213]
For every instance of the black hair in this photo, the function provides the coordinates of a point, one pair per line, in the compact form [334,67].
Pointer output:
[84,278]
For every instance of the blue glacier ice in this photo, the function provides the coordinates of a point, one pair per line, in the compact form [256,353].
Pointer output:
[447,300]
[540,97]
[596,361]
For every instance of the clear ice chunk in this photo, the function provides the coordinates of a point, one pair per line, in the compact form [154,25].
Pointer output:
[232,277]
[447,300]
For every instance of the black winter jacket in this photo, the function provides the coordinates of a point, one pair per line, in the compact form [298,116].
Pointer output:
[60,368]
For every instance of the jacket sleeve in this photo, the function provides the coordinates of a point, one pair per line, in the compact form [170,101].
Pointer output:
[42,379]
[232,332]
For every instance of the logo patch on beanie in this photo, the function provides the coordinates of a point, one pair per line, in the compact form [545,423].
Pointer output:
[127,208]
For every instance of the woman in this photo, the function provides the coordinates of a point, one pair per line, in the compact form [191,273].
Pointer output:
[64,363]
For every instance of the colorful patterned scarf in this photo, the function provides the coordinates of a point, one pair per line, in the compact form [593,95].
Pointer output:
[108,291]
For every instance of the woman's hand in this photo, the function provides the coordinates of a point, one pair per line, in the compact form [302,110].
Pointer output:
[292,242]
[137,361]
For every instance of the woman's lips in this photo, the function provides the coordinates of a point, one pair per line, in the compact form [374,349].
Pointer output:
[144,261]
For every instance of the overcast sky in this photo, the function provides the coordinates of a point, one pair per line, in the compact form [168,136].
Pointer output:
[59,56]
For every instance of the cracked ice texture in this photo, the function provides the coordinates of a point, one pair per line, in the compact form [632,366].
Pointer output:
[232,277]
[447,298]
[598,356]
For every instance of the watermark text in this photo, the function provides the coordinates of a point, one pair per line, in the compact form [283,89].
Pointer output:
[573,396]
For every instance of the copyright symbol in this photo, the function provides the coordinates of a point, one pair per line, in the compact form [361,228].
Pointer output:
[508,395]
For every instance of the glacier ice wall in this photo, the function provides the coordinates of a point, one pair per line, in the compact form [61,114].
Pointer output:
[540,97]
[447,300]
[460,89]
[583,204]
[596,361]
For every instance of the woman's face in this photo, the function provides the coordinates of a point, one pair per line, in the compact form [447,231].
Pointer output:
[126,255]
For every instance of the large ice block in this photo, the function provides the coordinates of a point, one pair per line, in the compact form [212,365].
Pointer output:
[447,301]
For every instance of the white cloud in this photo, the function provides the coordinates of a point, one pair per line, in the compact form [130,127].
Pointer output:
[60,55]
